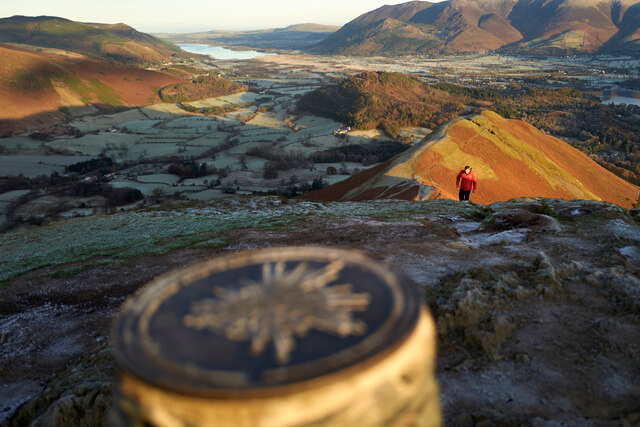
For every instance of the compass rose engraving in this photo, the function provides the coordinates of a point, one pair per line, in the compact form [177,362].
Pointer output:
[283,306]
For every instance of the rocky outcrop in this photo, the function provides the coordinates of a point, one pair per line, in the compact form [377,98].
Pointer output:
[537,301]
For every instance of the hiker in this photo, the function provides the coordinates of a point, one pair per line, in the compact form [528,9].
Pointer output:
[466,180]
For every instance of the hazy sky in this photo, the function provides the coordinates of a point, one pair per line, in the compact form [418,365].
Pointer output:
[197,15]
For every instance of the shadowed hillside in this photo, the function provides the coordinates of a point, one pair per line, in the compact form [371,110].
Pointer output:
[41,86]
[510,158]
[115,42]
[33,83]
[294,37]
[627,40]
[563,26]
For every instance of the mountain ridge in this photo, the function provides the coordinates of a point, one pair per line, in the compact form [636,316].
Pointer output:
[114,42]
[536,26]
[511,158]
[52,68]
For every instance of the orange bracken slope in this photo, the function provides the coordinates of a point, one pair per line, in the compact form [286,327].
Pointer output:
[511,159]
[38,84]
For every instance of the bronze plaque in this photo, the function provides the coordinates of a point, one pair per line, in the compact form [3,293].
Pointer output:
[256,322]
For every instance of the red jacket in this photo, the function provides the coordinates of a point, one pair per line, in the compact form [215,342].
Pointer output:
[467,181]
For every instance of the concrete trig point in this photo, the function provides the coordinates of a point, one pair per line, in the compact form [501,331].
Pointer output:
[277,337]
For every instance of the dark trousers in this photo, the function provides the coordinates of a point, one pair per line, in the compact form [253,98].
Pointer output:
[464,195]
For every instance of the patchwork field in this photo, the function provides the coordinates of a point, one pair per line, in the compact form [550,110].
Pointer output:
[233,140]
[35,165]
[255,141]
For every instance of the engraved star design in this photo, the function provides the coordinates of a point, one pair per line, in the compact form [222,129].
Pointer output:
[285,304]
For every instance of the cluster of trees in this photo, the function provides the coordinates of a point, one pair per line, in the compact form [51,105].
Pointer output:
[388,101]
[469,92]
[115,196]
[71,185]
[21,182]
[186,170]
[291,189]
[104,165]
[215,111]
[68,185]
[279,160]
[367,154]
[200,87]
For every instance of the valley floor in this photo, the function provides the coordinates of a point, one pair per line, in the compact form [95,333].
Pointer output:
[537,301]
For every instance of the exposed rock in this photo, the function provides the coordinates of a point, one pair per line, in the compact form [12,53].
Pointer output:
[520,218]
[535,326]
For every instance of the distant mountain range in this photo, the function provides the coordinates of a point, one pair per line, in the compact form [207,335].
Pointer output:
[117,42]
[532,26]
[511,159]
[300,36]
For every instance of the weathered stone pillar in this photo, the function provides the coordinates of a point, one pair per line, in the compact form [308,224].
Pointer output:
[277,337]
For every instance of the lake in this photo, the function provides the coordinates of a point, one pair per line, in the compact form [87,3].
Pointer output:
[219,52]
[621,96]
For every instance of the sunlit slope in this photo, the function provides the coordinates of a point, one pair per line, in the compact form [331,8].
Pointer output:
[511,159]
[33,83]
[540,26]
[117,42]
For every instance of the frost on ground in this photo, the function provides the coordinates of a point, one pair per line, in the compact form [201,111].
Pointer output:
[537,302]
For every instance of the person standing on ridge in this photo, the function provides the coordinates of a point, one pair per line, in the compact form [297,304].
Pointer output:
[466,180]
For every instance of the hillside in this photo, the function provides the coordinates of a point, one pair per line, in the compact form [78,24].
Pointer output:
[388,101]
[299,36]
[117,42]
[511,159]
[627,40]
[51,68]
[563,26]
[392,100]
[38,88]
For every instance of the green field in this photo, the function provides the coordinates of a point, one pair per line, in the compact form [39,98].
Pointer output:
[159,135]
[18,144]
[34,165]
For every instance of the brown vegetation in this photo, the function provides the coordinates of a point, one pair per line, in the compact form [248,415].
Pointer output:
[388,101]
[112,42]
[187,170]
[38,86]
[511,158]
[610,133]
[559,27]
[200,87]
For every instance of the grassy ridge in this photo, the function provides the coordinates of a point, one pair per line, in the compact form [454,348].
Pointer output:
[392,100]
[610,132]
[93,40]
